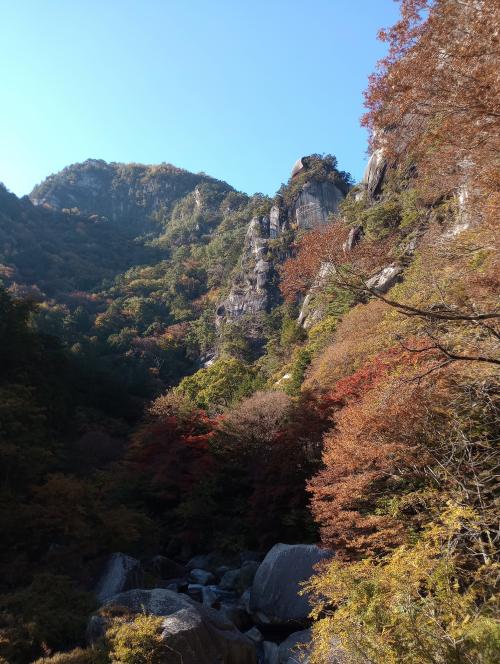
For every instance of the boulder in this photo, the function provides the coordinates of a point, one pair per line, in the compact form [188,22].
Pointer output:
[195,591]
[236,613]
[245,600]
[205,561]
[230,580]
[201,576]
[385,279]
[271,652]
[373,177]
[295,648]
[158,601]
[225,595]
[220,571]
[275,592]
[194,634]
[179,585]
[164,568]
[255,635]
[121,573]
[203,636]
[208,596]
[173,585]
[354,238]
[239,579]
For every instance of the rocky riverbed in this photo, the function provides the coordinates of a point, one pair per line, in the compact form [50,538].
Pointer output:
[240,609]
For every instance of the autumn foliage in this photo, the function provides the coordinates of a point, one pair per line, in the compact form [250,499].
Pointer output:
[168,457]
[436,98]
[373,451]
[319,252]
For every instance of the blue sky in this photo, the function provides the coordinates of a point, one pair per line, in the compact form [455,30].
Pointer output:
[238,89]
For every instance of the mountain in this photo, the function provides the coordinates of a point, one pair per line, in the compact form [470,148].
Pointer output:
[139,262]
[46,251]
[128,193]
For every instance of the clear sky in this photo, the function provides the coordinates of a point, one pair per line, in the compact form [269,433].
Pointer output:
[236,88]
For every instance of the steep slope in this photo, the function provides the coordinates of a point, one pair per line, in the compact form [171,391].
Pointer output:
[128,193]
[48,251]
[127,261]
[309,199]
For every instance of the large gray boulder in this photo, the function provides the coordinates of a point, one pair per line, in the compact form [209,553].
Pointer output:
[275,592]
[295,648]
[374,174]
[270,651]
[194,634]
[239,579]
[201,576]
[121,573]
[202,636]
[385,279]
[157,602]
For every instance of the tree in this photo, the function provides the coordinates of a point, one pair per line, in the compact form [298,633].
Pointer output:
[375,451]
[266,447]
[219,385]
[436,99]
[409,607]
[167,462]
[252,425]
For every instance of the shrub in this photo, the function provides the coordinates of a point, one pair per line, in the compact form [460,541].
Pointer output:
[409,607]
[379,220]
[48,615]
[76,656]
[255,421]
[300,361]
[138,642]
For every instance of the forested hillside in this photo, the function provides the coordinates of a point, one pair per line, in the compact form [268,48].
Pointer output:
[192,377]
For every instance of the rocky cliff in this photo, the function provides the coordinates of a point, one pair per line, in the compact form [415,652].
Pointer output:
[250,291]
[307,201]
[314,203]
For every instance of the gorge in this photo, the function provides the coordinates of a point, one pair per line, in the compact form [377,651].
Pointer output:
[250,429]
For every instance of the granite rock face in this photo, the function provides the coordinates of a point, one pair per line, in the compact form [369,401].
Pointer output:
[373,177]
[122,572]
[315,202]
[254,290]
[295,648]
[275,221]
[313,308]
[275,597]
[386,278]
[249,292]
